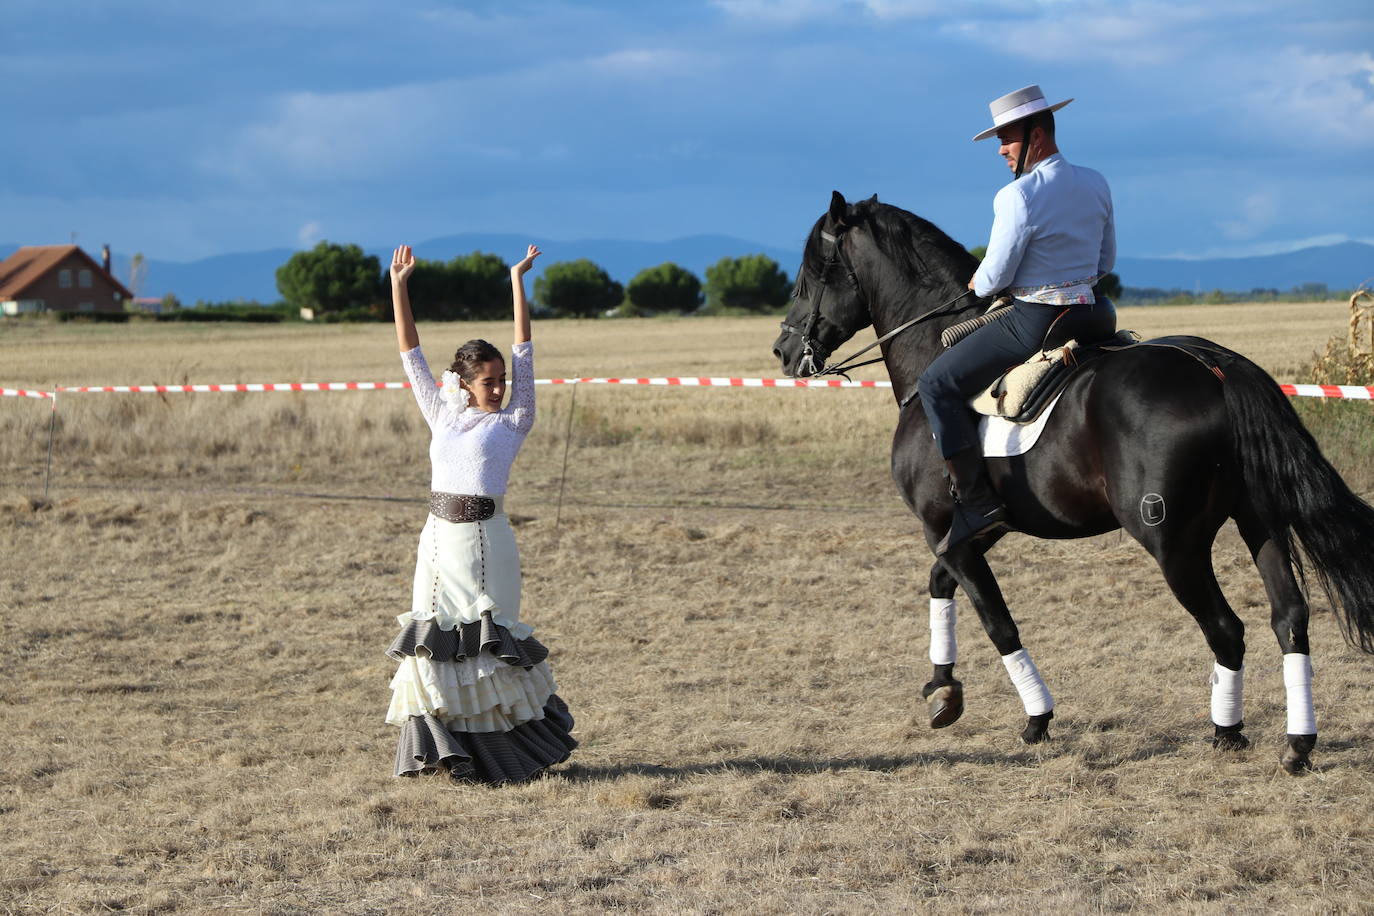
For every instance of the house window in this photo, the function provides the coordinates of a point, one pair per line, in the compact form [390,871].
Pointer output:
[64,278]
[83,279]
[86,307]
[117,296]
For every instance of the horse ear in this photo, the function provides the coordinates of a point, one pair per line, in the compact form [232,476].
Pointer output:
[872,201]
[839,209]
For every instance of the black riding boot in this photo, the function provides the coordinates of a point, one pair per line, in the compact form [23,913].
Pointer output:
[977,508]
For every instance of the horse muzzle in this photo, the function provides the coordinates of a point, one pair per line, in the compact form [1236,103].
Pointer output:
[798,355]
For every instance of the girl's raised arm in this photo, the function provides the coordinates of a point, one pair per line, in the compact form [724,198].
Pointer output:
[517,290]
[402,265]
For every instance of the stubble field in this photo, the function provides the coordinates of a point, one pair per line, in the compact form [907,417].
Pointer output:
[194,680]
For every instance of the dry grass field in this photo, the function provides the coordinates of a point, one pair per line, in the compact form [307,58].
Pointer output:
[194,679]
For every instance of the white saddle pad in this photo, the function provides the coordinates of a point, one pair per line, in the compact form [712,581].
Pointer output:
[1005,439]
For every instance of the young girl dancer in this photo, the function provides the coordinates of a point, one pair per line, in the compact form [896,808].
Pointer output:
[473,694]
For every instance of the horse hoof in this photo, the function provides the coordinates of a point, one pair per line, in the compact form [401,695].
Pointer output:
[1037,728]
[1295,760]
[946,705]
[1229,738]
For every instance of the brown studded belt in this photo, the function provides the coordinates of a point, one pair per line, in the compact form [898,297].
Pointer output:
[458,507]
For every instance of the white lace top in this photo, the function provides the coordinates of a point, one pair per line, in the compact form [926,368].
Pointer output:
[471,451]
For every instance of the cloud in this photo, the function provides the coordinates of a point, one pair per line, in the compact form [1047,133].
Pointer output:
[319,137]
[780,12]
[1259,211]
[927,9]
[310,233]
[639,62]
[541,114]
[795,12]
[1133,34]
[1329,95]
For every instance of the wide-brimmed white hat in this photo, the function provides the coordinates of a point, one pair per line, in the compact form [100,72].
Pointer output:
[1016,105]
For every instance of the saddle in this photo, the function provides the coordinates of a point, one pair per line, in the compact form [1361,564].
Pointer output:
[1024,391]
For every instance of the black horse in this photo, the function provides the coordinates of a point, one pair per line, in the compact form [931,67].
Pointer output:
[1146,438]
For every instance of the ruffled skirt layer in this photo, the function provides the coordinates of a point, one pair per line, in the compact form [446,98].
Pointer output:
[473,693]
[518,755]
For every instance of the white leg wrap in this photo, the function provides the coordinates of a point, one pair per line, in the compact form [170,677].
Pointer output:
[1024,676]
[1227,687]
[1297,677]
[942,618]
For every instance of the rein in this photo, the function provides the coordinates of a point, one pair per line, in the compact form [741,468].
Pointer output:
[847,365]
[812,347]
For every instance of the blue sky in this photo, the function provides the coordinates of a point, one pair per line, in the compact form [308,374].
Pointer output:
[184,129]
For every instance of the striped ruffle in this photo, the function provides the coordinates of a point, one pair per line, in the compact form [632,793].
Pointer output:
[482,610]
[500,757]
[429,639]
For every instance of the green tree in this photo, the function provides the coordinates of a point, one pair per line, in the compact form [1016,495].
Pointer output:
[483,284]
[979,251]
[753,283]
[332,278]
[1109,286]
[470,286]
[577,289]
[665,288]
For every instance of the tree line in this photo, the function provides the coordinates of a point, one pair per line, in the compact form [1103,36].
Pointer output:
[341,282]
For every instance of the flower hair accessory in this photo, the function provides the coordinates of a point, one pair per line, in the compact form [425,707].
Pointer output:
[454,394]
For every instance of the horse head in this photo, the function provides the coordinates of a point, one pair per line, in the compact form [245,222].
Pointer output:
[828,303]
[871,263]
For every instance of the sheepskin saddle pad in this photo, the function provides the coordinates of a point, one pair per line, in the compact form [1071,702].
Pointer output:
[1025,390]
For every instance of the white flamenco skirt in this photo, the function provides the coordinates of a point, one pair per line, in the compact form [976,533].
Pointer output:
[465,568]
[473,693]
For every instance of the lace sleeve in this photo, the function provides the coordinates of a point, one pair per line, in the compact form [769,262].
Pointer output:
[422,384]
[520,410]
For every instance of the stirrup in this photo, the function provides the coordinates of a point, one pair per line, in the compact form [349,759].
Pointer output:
[967,524]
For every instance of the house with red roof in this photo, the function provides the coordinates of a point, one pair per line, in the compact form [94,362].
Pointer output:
[58,278]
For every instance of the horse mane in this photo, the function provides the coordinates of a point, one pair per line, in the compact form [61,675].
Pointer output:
[924,254]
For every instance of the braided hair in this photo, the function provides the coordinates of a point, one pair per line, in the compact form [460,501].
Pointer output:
[471,355]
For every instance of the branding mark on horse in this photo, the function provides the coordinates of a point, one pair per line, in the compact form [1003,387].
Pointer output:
[1152,509]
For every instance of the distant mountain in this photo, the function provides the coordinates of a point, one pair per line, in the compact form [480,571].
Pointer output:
[248,275]
[252,275]
[1341,266]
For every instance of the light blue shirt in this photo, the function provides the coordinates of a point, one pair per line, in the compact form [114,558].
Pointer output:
[1051,228]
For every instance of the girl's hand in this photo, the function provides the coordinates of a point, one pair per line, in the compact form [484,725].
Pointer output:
[402,264]
[530,254]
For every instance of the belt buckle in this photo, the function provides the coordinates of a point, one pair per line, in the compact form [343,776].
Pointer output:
[478,508]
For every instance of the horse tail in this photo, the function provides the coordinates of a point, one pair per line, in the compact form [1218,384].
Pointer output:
[1296,491]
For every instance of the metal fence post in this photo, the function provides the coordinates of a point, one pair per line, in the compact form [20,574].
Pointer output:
[567,441]
[52,423]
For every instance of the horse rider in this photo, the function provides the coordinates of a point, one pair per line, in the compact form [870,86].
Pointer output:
[1052,238]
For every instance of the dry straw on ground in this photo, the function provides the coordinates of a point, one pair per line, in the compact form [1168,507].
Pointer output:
[194,680]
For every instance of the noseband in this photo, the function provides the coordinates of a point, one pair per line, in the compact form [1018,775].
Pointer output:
[812,348]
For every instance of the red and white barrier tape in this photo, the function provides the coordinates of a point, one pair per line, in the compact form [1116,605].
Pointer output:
[714,382]
[239,387]
[1348,392]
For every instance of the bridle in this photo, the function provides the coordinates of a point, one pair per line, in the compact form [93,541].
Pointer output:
[813,348]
